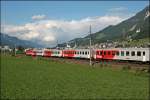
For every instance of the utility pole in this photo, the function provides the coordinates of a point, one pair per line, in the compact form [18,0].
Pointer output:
[15,49]
[57,44]
[90,48]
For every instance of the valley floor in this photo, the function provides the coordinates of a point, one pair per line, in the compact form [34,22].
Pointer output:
[33,78]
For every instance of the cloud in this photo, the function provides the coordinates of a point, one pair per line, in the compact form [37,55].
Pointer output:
[38,17]
[47,32]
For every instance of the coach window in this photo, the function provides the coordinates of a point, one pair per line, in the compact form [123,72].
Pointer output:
[138,53]
[143,53]
[108,52]
[127,53]
[82,52]
[122,53]
[97,52]
[85,52]
[104,52]
[113,53]
[133,53]
[101,52]
[117,53]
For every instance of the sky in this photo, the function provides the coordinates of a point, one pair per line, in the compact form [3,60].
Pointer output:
[47,22]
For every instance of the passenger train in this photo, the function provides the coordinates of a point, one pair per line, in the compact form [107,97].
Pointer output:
[129,54]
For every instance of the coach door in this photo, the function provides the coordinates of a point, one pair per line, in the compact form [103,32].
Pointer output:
[144,57]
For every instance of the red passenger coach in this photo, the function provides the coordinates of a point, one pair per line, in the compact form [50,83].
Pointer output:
[30,52]
[68,53]
[47,53]
[105,54]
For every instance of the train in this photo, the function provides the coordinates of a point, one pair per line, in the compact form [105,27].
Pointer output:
[123,54]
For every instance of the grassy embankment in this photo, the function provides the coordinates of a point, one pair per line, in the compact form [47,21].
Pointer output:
[27,78]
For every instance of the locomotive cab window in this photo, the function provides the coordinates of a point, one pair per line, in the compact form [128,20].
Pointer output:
[138,53]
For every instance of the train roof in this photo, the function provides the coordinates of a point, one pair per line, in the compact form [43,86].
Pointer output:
[124,49]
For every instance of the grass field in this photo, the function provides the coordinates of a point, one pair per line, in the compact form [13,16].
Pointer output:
[27,78]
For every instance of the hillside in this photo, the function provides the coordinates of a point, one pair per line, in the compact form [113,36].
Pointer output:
[12,41]
[134,28]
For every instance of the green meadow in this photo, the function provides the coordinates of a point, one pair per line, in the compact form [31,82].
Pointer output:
[28,78]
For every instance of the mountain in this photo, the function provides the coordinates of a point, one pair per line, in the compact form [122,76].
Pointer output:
[135,28]
[12,41]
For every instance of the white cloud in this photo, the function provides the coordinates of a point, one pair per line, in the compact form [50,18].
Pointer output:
[48,38]
[38,17]
[47,32]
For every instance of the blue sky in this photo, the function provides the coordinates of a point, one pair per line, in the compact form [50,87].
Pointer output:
[46,22]
[18,12]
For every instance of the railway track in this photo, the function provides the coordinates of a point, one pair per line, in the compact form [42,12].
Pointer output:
[104,63]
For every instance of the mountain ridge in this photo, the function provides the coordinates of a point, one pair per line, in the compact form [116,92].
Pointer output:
[14,41]
[135,27]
